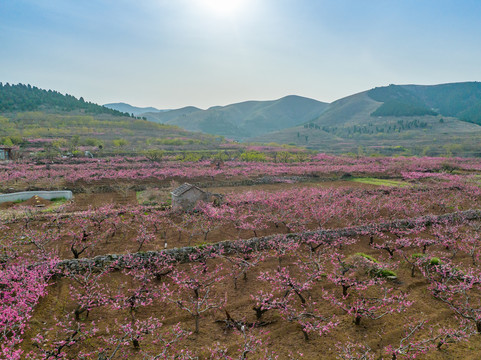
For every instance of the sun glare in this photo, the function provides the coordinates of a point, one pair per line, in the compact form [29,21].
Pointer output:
[223,7]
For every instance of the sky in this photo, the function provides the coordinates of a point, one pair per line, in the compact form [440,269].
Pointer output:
[174,53]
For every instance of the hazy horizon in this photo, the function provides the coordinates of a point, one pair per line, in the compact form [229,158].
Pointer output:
[205,53]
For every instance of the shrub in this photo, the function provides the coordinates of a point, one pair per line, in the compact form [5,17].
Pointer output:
[253,156]
[385,273]
[366,256]
[154,155]
[58,199]
[119,143]
[449,167]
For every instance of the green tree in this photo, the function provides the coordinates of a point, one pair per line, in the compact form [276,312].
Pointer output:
[253,156]
[283,156]
[220,155]
[8,142]
[120,143]
[155,155]
[74,143]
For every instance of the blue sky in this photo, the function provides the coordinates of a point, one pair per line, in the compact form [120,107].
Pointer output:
[173,53]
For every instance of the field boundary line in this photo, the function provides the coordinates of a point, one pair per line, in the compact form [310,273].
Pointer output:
[227,247]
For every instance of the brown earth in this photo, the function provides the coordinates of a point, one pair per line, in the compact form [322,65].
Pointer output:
[35,201]
[83,201]
[123,242]
[287,186]
[282,337]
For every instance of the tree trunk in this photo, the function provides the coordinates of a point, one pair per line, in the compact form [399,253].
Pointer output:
[80,310]
[75,252]
[196,318]
[478,326]
[259,311]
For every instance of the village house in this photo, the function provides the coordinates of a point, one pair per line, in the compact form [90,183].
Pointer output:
[186,197]
[5,153]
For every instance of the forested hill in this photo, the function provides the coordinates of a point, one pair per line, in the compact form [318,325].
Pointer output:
[428,120]
[20,97]
[460,100]
[54,124]
[398,101]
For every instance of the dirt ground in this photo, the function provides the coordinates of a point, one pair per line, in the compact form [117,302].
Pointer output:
[35,201]
[280,336]
[94,199]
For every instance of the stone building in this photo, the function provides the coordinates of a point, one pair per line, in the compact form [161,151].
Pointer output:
[186,197]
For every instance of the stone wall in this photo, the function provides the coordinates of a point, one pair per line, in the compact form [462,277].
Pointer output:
[182,255]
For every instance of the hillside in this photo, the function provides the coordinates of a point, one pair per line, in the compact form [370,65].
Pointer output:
[392,120]
[22,97]
[398,101]
[45,121]
[127,108]
[461,100]
[397,119]
[245,119]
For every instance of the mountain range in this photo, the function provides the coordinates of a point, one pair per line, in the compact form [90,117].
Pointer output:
[429,119]
[127,108]
[243,120]
[396,119]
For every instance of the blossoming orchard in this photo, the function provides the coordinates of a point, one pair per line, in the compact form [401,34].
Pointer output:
[334,257]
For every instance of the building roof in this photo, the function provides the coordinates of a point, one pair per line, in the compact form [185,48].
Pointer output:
[182,189]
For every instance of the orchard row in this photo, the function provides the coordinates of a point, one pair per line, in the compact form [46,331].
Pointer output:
[154,308]
[240,215]
[91,170]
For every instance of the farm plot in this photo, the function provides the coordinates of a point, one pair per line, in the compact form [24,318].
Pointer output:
[304,287]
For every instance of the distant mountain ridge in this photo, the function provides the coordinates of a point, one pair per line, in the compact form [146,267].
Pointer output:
[396,119]
[127,108]
[244,119]
[426,119]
